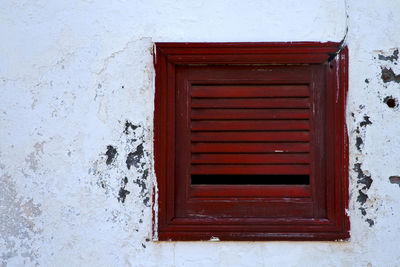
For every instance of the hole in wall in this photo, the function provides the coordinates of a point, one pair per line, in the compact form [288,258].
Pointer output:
[390,102]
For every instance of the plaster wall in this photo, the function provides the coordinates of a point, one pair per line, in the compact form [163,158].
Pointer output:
[76,112]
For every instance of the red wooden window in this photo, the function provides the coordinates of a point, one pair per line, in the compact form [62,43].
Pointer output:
[250,141]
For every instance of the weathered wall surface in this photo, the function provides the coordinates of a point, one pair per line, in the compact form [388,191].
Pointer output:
[76,111]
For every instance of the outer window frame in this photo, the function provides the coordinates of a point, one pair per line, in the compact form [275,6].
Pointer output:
[171,223]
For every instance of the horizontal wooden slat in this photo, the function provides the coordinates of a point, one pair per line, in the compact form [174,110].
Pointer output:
[198,114]
[251,158]
[253,169]
[251,103]
[232,91]
[250,191]
[251,136]
[250,125]
[250,147]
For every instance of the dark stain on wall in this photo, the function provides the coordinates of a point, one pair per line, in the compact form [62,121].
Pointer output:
[129,125]
[359,142]
[363,211]
[362,178]
[366,121]
[111,154]
[362,198]
[370,221]
[135,157]
[122,191]
[392,58]
[395,180]
[389,76]
[144,193]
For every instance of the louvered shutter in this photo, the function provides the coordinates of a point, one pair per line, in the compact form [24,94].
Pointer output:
[250,141]
[244,130]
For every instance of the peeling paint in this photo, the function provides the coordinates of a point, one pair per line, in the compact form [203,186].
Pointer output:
[359,142]
[17,223]
[362,178]
[395,180]
[134,158]
[392,58]
[370,222]
[362,197]
[129,125]
[365,122]
[111,154]
[388,75]
[122,191]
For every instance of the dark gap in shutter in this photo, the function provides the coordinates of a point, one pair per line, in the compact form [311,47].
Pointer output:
[250,179]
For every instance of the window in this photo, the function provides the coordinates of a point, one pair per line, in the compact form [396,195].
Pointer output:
[250,141]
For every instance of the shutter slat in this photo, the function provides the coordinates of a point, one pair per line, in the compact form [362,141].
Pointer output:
[250,103]
[250,158]
[255,125]
[250,130]
[254,169]
[250,147]
[233,91]
[251,136]
[214,114]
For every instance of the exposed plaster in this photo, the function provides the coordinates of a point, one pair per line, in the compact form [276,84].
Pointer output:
[17,228]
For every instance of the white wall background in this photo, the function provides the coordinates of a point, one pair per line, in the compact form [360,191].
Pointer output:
[76,82]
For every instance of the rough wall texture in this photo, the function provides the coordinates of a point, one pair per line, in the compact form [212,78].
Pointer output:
[76,111]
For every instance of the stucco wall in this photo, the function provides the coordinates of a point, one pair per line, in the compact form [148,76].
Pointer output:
[76,112]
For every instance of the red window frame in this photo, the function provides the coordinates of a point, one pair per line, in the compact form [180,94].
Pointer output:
[196,212]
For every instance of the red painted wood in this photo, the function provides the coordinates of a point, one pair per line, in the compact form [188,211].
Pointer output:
[253,169]
[250,191]
[250,147]
[250,103]
[233,91]
[247,103]
[236,114]
[250,158]
[290,136]
[250,125]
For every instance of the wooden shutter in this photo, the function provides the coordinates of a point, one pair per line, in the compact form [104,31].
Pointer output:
[250,130]
[250,141]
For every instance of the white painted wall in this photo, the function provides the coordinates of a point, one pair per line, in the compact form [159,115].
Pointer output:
[72,73]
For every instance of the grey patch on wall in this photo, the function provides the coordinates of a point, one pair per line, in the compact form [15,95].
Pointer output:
[134,158]
[389,76]
[359,142]
[122,191]
[126,158]
[111,153]
[362,198]
[129,125]
[364,181]
[370,222]
[17,223]
[395,180]
[392,58]
[362,178]
[144,192]
[366,121]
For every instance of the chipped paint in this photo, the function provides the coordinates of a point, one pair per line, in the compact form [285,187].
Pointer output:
[395,180]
